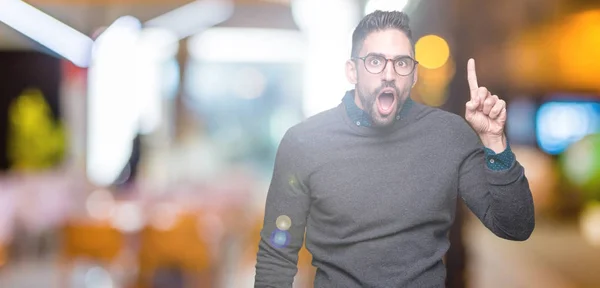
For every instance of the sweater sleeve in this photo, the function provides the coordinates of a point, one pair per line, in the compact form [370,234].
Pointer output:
[287,205]
[501,199]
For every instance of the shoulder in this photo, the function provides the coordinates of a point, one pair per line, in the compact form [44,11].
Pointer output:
[314,127]
[299,146]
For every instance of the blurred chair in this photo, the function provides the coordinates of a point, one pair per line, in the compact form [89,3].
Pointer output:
[178,249]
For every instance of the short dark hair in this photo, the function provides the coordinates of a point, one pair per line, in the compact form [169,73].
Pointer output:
[379,21]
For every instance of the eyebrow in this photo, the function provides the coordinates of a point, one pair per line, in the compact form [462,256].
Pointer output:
[396,57]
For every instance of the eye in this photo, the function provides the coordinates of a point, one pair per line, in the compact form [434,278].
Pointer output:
[402,63]
[375,62]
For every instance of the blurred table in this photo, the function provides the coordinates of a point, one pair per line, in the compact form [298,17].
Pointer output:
[555,256]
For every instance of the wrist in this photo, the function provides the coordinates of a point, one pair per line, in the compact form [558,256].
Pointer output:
[496,143]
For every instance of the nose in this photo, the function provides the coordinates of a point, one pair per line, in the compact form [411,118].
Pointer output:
[388,73]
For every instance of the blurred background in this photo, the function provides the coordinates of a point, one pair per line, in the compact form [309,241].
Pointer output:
[137,137]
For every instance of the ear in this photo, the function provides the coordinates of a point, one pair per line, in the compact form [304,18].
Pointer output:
[351,72]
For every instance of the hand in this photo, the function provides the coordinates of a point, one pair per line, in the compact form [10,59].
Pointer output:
[485,112]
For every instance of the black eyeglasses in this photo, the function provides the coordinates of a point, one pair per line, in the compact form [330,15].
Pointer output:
[375,64]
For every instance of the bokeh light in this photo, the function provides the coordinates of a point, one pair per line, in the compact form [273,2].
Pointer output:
[432,84]
[432,51]
[97,277]
[280,239]
[100,204]
[165,216]
[590,223]
[293,181]
[577,50]
[128,217]
[283,222]
[295,185]
[536,57]
[560,123]
[581,165]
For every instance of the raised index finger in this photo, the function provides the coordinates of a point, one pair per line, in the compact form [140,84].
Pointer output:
[472,77]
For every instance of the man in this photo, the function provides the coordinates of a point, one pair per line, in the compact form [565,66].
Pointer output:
[375,180]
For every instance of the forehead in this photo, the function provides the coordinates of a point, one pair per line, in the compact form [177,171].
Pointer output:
[389,42]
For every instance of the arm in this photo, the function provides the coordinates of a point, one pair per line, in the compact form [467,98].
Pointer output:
[287,196]
[498,195]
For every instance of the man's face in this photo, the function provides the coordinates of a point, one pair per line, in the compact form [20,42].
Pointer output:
[381,95]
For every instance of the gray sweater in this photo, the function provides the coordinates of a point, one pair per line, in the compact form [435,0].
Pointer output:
[376,206]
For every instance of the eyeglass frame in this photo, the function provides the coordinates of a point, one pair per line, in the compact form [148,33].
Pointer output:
[386,62]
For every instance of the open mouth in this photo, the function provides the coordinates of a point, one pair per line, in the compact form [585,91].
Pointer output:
[385,102]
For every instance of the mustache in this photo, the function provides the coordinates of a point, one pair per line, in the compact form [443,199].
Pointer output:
[387,84]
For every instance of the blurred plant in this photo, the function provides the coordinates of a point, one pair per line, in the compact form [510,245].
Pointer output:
[581,166]
[35,140]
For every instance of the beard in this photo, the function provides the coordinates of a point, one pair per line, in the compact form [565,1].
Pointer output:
[369,103]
